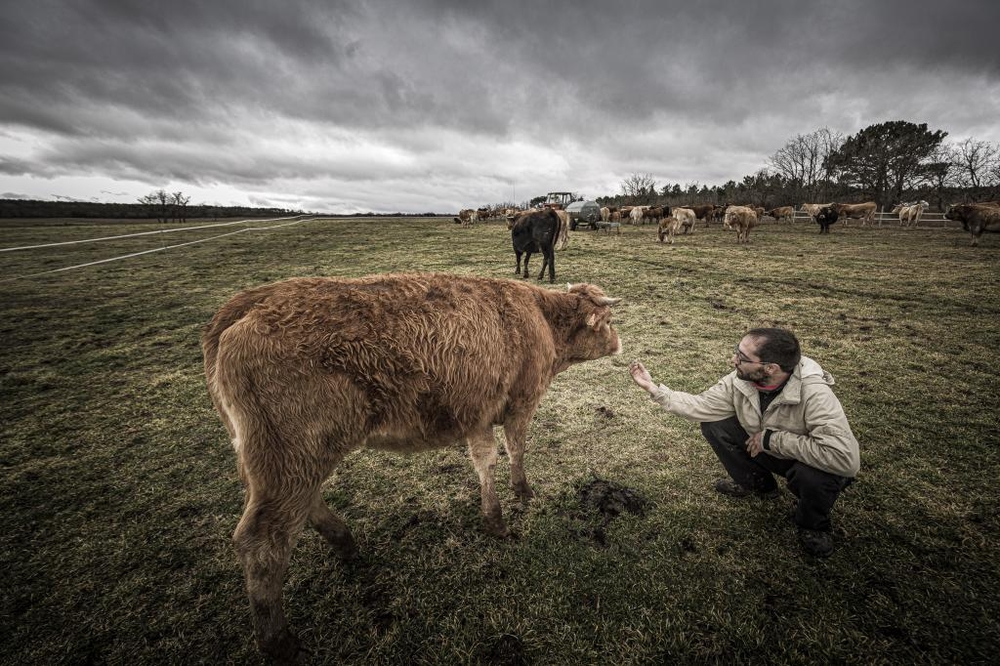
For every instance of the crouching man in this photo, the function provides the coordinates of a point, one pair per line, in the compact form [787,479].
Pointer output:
[774,414]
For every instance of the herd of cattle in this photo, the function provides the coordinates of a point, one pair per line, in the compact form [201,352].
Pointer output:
[544,231]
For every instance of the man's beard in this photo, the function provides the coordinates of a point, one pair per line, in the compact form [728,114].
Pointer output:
[757,375]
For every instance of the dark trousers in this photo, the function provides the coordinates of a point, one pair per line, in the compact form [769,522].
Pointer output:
[817,490]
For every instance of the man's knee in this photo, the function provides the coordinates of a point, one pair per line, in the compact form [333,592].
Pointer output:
[728,431]
[806,481]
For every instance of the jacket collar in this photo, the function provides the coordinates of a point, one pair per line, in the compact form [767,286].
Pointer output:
[791,394]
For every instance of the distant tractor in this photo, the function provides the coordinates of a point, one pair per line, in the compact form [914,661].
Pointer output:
[580,212]
[558,200]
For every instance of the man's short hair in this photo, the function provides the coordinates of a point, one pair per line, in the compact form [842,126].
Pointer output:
[777,345]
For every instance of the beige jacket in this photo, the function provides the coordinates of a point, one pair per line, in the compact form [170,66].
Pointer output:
[807,421]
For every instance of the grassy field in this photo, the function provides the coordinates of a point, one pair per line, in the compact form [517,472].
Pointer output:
[120,491]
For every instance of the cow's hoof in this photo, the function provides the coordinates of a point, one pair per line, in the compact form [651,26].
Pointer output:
[285,649]
[345,548]
[498,529]
[524,492]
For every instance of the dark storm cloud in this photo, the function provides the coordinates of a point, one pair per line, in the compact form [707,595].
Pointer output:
[252,93]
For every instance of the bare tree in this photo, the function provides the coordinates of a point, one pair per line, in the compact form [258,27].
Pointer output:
[159,201]
[638,187]
[803,160]
[150,201]
[941,174]
[179,203]
[976,163]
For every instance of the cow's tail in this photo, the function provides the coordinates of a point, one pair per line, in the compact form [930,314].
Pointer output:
[230,313]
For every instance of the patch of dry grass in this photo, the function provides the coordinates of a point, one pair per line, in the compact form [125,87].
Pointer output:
[121,494]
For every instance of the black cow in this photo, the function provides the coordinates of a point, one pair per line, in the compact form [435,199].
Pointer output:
[536,232]
[826,216]
[976,218]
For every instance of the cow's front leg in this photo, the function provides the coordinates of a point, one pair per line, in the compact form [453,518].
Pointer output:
[483,451]
[515,432]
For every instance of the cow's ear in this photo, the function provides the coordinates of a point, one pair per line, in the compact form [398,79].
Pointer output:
[591,320]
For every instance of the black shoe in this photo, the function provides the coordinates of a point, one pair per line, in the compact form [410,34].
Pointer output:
[817,544]
[733,489]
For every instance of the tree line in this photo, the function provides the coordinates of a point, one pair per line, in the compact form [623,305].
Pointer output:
[158,205]
[887,162]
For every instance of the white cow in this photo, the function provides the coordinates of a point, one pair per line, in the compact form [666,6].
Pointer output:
[636,215]
[910,212]
[686,216]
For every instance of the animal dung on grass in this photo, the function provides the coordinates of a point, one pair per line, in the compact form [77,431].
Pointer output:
[601,501]
[610,499]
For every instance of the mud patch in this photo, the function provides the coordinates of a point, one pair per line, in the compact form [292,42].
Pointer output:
[605,412]
[610,499]
[601,501]
[507,650]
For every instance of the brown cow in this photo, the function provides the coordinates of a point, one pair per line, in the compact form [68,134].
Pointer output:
[783,213]
[716,215]
[863,211]
[304,371]
[467,217]
[742,219]
[653,214]
[667,228]
[976,218]
[702,212]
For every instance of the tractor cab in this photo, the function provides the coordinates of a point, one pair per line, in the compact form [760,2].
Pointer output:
[558,200]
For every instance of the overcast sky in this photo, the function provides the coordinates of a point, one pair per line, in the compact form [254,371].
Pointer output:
[420,105]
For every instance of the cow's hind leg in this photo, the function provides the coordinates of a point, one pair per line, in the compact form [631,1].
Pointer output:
[483,451]
[333,528]
[550,261]
[264,540]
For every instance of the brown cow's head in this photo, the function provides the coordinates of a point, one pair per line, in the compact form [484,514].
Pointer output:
[592,336]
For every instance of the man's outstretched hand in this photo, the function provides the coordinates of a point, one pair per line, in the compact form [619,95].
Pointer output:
[641,376]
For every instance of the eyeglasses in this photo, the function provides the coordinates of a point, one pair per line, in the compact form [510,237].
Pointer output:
[743,358]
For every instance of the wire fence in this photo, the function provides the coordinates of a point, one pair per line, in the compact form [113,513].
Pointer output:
[883,218]
[256,225]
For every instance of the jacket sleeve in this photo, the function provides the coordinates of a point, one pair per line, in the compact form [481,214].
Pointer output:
[714,404]
[828,444]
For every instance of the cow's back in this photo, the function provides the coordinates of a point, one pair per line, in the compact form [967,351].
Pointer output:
[535,228]
[380,360]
